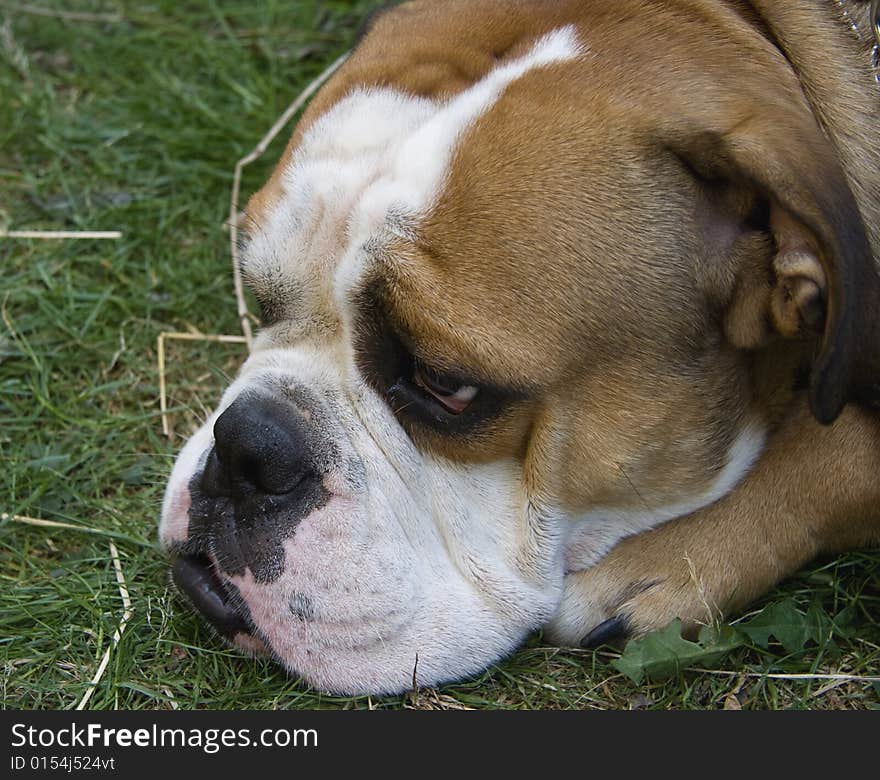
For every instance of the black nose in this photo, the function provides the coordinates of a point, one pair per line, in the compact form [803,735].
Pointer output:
[261,445]
[261,478]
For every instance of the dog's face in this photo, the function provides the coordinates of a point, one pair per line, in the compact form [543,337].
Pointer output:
[497,336]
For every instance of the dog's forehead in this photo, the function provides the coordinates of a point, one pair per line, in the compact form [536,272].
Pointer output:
[368,169]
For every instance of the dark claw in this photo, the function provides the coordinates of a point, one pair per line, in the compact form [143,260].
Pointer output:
[613,628]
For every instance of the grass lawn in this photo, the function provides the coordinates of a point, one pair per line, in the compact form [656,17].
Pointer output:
[130,116]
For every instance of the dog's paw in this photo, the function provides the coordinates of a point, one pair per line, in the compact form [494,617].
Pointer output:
[628,594]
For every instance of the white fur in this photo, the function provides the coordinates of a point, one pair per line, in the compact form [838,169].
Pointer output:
[176,503]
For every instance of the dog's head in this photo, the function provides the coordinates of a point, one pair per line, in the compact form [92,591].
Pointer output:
[521,292]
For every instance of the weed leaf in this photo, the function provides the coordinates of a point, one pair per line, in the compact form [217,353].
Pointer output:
[788,625]
[665,653]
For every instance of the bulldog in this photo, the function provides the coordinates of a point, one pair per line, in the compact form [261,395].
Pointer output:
[570,321]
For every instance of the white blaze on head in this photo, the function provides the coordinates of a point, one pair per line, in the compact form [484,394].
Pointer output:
[378,153]
[420,164]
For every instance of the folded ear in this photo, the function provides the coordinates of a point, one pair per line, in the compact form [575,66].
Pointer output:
[823,275]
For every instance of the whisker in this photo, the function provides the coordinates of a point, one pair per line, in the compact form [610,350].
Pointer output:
[634,488]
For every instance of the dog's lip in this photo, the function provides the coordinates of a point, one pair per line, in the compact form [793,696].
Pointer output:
[195,576]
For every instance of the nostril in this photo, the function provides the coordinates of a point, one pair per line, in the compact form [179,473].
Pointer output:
[213,481]
[259,444]
[196,579]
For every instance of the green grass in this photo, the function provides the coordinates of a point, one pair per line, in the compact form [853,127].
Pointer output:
[135,124]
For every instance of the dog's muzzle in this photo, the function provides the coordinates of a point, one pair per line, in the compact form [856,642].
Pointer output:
[257,484]
[305,524]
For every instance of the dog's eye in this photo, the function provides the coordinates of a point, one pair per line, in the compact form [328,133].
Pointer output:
[451,394]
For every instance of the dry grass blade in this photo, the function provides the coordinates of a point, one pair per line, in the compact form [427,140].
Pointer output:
[39,522]
[868,679]
[244,314]
[52,235]
[160,352]
[117,635]
[23,519]
[172,702]
[71,16]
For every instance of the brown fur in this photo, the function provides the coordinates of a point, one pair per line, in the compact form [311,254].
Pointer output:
[814,491]
[652,244]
